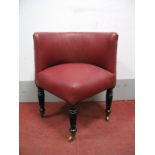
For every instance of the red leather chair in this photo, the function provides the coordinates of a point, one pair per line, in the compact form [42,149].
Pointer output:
[75,66]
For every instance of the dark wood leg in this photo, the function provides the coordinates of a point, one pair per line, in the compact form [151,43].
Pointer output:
[73,118]
[109,96]
[41,99]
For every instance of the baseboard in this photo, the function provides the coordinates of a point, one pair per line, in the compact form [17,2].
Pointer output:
[124,90]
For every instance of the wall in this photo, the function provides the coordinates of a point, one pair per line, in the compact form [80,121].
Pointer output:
[77,15]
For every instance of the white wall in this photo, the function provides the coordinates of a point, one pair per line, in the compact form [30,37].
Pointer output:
[77,15]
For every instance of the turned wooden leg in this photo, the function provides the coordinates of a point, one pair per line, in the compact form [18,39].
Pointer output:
[73,118]
[109,96]
[41,99]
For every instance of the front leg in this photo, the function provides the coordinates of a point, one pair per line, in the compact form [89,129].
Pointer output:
[109,96]
[73,118]
[41,98]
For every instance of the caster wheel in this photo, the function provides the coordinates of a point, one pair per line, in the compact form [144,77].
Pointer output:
[107,118]
[71,137]
[42,112]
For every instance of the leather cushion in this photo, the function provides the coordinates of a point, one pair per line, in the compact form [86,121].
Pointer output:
[74,82]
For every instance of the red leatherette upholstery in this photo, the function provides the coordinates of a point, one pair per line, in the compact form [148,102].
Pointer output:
[75,65]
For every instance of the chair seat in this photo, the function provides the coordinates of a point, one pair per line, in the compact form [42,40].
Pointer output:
[75,82]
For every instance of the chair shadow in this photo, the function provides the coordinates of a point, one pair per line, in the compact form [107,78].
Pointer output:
[88,112]
[60,111]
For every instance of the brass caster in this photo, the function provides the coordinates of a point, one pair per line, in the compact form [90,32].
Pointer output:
[107,118]
[42,115]
[71,138]
[42,112]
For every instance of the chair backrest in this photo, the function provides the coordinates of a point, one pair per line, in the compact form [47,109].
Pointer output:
[52,48]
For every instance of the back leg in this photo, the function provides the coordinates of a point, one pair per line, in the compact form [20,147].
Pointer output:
[109,96]
[41,98]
